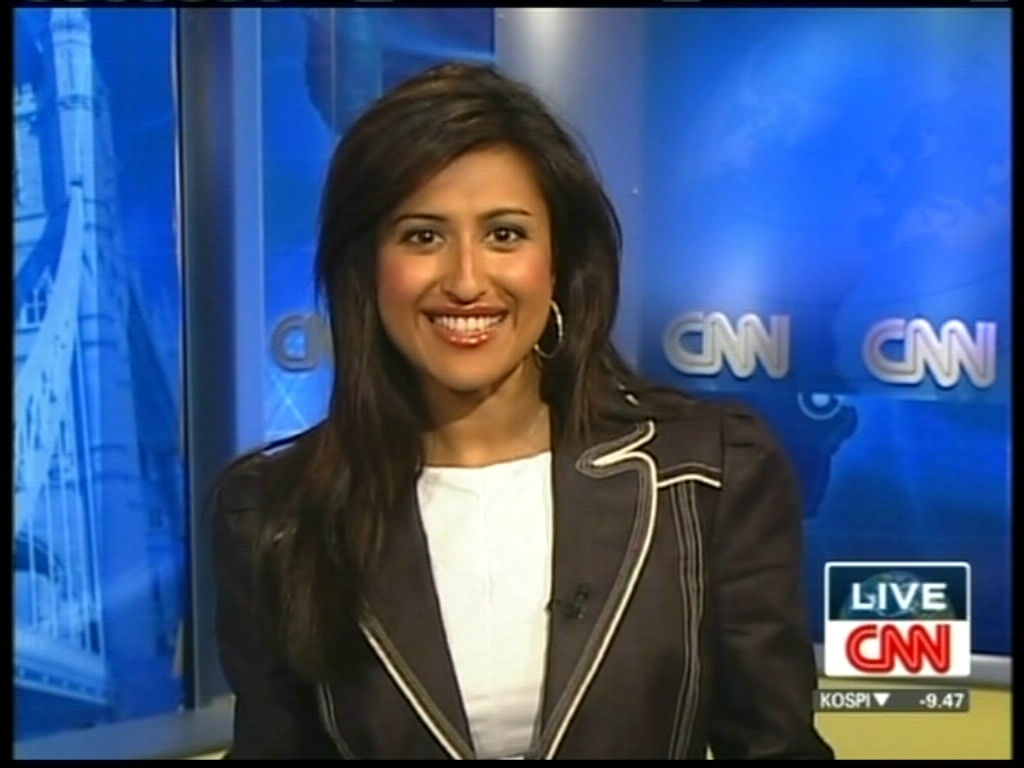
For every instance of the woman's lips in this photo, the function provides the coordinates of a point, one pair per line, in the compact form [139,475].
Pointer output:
[466,332]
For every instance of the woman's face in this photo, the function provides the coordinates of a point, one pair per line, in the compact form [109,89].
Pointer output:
[465,277]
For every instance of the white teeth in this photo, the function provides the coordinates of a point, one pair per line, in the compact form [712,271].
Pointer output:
[467,324]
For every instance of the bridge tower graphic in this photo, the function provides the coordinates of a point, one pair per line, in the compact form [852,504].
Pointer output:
[98,523]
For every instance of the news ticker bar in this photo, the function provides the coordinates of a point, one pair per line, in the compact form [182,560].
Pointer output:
[895,700]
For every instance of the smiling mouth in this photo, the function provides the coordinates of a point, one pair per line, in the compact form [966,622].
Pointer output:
[467,325]
[466,331]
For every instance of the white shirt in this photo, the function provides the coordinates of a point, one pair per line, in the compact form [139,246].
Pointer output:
[489,533]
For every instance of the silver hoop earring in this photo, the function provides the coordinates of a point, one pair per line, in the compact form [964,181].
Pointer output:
[559,330]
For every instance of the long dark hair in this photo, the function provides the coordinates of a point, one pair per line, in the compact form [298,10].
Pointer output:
[332,494]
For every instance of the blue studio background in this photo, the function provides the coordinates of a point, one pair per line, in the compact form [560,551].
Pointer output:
[100,553]
[838,168]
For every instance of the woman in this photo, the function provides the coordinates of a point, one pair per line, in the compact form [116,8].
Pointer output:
[501,542]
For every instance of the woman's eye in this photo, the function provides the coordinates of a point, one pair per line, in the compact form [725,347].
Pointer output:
[422,237]
[506,235]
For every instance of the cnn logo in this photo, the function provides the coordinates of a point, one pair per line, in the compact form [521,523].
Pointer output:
[906,619]
[947,354]
[702,344]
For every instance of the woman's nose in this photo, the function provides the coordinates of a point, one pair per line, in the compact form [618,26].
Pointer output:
[464,278]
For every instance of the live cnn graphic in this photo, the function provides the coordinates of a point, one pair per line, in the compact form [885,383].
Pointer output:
[892,620]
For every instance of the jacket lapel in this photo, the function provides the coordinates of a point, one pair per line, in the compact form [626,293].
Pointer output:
[403,626]
[604,500]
